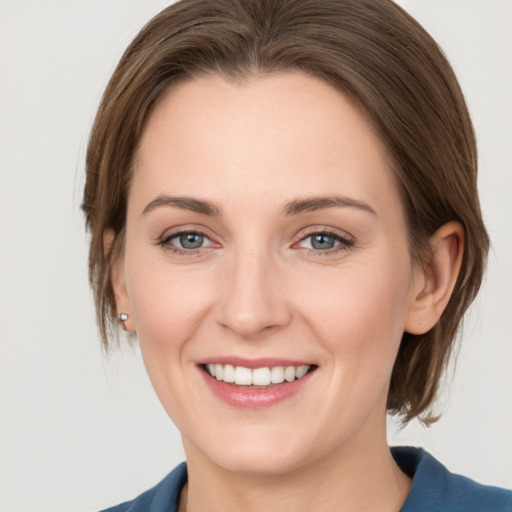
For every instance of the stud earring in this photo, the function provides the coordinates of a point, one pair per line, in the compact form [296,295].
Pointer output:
[122,317]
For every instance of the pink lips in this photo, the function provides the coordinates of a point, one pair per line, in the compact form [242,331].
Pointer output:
[249,397]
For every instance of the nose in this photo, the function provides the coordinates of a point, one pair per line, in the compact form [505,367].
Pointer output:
[253,297]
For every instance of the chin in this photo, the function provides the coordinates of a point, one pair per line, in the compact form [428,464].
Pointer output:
[261,455]
[261,464]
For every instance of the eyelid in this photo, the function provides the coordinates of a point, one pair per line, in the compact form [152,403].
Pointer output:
[345,240]
[164,240]
[326,230]
[180,234]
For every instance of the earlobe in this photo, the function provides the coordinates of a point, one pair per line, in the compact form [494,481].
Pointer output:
[117,278]
[435,283]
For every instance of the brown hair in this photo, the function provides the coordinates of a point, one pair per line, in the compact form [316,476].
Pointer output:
[369,49]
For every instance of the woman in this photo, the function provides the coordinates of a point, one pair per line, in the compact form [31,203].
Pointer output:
[283,208]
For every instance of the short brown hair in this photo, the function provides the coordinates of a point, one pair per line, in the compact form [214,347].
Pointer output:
[371,50]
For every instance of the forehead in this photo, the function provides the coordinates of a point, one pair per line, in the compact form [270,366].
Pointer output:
[284,134]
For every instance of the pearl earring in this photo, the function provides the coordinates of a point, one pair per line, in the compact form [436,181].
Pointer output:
[122,317]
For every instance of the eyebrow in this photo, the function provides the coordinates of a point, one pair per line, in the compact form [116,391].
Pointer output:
[185,203]
[293,207]
[312,204]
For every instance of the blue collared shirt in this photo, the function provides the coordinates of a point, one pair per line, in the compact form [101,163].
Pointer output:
[434,489]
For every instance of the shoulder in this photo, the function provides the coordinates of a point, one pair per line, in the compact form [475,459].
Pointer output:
[435,489]
[163,497]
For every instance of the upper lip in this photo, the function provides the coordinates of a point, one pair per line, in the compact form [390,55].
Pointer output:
[260,362]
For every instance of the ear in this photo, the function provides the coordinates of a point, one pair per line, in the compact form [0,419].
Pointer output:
[117,276]
[434,284]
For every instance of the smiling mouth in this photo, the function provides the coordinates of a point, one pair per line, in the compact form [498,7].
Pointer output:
[257,377]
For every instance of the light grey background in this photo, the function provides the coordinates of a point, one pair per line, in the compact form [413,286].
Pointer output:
[79,432]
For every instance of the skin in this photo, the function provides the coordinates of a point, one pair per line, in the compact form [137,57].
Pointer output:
[257,288]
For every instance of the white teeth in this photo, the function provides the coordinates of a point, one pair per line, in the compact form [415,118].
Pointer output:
[289,373]
[243,376]
[277,375]
[301,371]
[259,376]
[229,373]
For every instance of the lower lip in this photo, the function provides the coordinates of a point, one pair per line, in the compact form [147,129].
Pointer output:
[252,397]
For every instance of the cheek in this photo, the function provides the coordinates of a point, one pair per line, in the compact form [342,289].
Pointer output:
[167,304]
[359,315]
[168,307]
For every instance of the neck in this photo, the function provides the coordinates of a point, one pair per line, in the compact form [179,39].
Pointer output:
[362,476]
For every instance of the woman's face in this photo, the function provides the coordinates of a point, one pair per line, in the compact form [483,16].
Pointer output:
[265,232]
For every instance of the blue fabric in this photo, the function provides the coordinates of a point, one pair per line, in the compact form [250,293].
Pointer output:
[434,489]
[164,497]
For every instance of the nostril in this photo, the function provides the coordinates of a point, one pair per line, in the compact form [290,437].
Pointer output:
[251,302]
[254,323]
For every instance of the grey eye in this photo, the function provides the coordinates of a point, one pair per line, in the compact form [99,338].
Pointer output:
[326,242]
[186,241]
[322,242]
[191,240]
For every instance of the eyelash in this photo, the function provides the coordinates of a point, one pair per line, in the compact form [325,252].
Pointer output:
[343,243]
[165,242]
